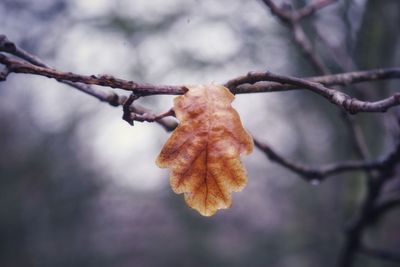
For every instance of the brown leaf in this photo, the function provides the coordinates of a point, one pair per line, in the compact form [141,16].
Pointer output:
[203,152]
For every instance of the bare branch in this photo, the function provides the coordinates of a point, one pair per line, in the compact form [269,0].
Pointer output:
[349,104]
[338,98]
[110,97]
[10,47]
[168,124]
[316,173]
[143,114]
[291,19]
[151,117]
[130,115]
[342,100]
[102,80]
[258,82]
[304,43]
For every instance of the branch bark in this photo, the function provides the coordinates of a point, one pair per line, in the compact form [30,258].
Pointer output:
[320,173]
[338,98]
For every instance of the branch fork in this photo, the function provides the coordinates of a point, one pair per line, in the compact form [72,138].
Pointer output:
[129,115]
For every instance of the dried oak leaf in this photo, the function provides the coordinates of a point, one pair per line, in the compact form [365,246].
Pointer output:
[203,152]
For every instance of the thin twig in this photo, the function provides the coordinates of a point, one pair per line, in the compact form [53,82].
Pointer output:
[9,47]
[322,172]
[168,124]
[291,19]
[151,117]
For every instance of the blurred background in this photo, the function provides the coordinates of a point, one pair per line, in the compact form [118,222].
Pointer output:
[79,186]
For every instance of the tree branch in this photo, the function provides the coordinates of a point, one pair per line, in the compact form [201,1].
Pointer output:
[137,111]
[291,19]
[280,82]
[309,173]
[258,82]
[102,80]
[340,99]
